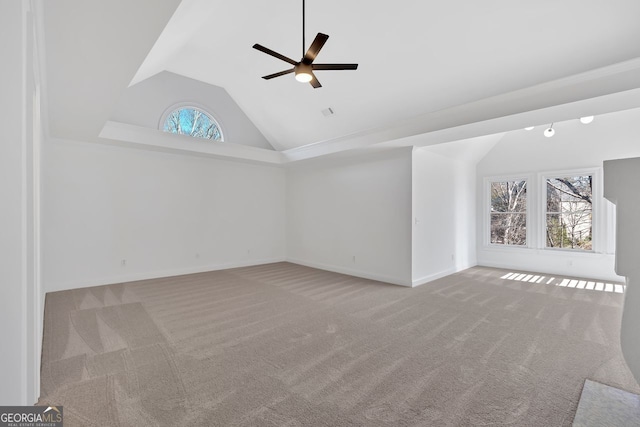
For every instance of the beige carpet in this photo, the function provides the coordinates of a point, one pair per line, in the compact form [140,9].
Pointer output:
[285,345]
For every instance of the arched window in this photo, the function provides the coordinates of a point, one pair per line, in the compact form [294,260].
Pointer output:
[192,121]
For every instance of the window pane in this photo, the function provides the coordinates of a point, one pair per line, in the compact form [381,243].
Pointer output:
[569,230]
[509,228]
[192,122]
[569,209]
[509,196]
[508,213]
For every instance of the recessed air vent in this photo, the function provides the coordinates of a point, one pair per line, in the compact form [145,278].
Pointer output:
[328,112]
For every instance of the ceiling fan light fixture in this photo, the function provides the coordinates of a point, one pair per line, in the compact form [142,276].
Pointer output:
[303,73]
[303,77]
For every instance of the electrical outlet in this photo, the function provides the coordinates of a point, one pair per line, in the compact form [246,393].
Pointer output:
[123,263]
[197,256]
[354,258]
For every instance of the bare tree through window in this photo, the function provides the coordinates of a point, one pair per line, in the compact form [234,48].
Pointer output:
[509,213]
[569,212]
[193,122]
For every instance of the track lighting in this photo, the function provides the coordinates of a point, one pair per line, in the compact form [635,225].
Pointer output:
[549,132]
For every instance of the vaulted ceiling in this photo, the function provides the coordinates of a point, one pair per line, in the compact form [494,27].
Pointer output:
[424,66]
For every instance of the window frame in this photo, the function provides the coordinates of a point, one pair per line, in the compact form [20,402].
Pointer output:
[194,106]
[597,243]
[487,211]
[602,211]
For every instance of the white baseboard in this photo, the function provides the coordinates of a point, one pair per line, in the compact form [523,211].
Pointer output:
[351,272]
[439,275]
[122,278]
[432,277]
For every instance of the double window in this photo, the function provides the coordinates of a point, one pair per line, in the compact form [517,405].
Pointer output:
[561,217]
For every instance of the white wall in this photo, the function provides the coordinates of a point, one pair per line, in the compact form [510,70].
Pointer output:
[13,385]
[165,214]
[621,179]
[360,207]
[530,154]
[443,215]
[20,297]
[466,243]
[145,103]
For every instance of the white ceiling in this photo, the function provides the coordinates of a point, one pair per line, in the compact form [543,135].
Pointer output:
[415,57]
[430,72]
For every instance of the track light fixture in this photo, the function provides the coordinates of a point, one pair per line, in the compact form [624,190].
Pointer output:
[550,131]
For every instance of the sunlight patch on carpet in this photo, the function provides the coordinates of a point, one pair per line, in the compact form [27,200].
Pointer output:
[589,285]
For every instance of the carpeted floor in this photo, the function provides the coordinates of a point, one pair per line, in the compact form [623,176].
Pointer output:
[285,345]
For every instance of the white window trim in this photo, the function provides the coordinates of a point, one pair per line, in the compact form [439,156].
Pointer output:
[597,219]
[609,216]
[487,211]
[603,213]
[195,106]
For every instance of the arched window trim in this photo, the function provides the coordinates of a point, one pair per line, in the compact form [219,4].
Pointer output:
[194,106]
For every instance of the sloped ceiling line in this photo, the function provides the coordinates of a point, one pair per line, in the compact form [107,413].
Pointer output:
[473,82]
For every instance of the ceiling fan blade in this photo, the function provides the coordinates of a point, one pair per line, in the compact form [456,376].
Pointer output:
[334,66]
[314,82]
[281,73]
[315,47]
[274,54]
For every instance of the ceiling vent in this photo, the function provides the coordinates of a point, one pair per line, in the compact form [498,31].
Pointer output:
[328,112]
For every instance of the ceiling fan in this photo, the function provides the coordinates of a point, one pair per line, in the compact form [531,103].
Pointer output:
[304,68]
